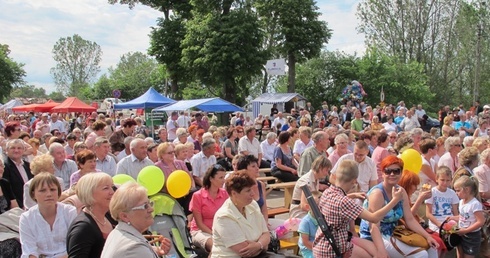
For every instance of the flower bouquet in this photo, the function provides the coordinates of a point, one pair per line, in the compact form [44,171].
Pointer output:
[447,232]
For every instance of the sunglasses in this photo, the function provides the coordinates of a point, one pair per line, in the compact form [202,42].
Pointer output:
[393,137]
[395,171]
[144,206]
[218,167]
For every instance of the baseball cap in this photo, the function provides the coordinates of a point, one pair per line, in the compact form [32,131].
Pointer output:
[486,107]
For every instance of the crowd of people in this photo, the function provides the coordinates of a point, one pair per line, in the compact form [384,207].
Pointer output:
[59,170]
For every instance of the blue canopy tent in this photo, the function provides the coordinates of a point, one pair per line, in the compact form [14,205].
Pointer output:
[217,105]
[151,99]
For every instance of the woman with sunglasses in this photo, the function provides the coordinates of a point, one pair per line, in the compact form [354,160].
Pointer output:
[88,232]
[12,131]
[131,208]
[204,204]
[381,233]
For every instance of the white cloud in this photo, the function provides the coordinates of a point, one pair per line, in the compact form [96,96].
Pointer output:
[341,18]
[31,28]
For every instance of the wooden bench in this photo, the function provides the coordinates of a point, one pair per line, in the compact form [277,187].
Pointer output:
[273,212]
[291,244]
[288,191]
[267,178]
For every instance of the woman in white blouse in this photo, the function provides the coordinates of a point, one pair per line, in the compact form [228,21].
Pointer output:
[43,228]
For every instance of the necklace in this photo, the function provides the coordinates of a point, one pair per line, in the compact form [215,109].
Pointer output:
[97,220]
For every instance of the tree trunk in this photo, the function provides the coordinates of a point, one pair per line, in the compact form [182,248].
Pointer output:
[266,82]
[291,73]
[230,92]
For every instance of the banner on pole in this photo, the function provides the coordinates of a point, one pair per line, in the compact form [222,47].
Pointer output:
[276,67]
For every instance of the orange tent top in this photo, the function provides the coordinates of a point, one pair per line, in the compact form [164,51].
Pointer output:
[73,104]
[46,107]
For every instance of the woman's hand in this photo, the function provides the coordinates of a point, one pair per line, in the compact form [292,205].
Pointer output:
[164,247]
[433,243]
[251,250]
[397,193]
[424,195]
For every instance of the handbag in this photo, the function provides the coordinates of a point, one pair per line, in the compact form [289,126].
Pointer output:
[410,238]
[274,244]
[451,240]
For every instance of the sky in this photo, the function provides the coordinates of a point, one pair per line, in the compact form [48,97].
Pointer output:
[32,27]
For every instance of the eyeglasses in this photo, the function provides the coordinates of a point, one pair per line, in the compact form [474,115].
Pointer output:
[144,206]
[170,152]
[17,129]
[392,137]
[456,145]
[395,171]
[239,131]
[57,133]
[16,119]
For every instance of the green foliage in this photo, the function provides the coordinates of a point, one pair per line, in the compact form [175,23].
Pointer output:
[56,96]
[77,64]
[324,78]
[11,73]
[28,91]
[223,50]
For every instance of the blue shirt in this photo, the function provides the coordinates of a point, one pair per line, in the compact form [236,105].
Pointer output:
[308,226]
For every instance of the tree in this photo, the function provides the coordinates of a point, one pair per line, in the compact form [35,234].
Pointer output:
[28,91]
[299,32]
[77,64]
[11,73]
[222,47]
[133,76]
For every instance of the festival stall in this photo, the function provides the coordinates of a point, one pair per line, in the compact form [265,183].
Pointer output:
[284,101]
[217,105]
[45,107]
[73,104]
[150,99]
[7,107]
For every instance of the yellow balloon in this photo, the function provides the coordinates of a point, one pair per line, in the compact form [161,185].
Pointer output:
[179,183]
[412,160]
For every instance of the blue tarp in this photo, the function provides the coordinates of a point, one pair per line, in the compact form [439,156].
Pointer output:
[207,105]
[151,99]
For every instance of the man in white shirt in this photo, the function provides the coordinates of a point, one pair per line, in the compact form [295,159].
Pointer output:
[127,151]
[134,163]
[63,167]
[172,126]
[202,160]
[278,120]
[303,142]
[368,176]
[420,112]
[249,145]
[184,121]
[104,162]
[43,125]
[56,124]
[268,146]
[409,122]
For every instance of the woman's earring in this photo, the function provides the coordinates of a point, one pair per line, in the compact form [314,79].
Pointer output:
[129,223]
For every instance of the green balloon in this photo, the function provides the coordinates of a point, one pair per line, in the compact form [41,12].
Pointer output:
[152,178]
[122,178]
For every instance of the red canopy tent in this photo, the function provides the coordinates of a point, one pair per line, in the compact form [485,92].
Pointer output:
[46,107]
[73,104]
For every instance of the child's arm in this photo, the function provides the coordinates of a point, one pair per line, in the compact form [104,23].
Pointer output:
[480,220]
[378,215]
[423,195]
[430,216]
[306,241]
[352,228]
[455,209]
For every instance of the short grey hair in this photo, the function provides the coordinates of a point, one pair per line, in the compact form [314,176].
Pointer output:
[484,156]
[271,135]
[208,143]
[318,136]
[416,131]
[128,140]
[135,142]
[468,140]
[54,146]
[451,141]
[15,141]
[341,136]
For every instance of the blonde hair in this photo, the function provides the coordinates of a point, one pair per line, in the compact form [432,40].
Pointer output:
[125,198]
[468,182]
[347,171]
[42,163]
[162,148]
[444,170]
[87,184]
[178,148]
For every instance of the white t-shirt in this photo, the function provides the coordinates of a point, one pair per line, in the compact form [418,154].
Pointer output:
[367,171]
[300,146]
[467,212]
[172,126]
[442,203]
